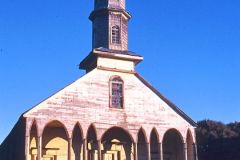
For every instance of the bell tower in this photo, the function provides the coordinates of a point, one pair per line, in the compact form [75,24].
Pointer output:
[110,25]
[110,39]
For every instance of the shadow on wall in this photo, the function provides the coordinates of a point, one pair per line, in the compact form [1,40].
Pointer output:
[13,147]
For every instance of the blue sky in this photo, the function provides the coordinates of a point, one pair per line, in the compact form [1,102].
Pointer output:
[191,50]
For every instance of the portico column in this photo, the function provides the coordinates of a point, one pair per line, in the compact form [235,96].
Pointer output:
[148,151]
[39,148]
[195,151]
[99,150]
[135,152]
[69,148]
[185,151]
[160,151]
[27,139]
[85,149]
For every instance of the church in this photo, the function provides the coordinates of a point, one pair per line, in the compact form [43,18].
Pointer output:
[110,113]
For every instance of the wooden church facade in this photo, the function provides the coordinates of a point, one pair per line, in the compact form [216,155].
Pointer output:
[111,113]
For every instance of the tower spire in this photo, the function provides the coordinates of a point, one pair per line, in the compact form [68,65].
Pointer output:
[110,25]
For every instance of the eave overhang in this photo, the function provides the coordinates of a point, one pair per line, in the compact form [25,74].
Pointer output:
[91,60]
[104,11]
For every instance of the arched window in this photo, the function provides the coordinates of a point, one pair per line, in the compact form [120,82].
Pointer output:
[115,35]
[116,92]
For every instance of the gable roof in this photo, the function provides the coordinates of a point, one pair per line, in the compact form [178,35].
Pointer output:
[172,105]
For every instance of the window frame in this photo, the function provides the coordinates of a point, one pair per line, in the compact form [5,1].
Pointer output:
[111,81]
[117,40]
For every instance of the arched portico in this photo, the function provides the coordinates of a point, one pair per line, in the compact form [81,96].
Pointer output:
[173,145]
[33,142]
[54,141]
[117,144]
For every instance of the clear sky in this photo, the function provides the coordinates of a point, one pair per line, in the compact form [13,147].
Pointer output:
[191,50]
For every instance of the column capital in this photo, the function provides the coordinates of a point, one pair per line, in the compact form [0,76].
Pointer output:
[185,145]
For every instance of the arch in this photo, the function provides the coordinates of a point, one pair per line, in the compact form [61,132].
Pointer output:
[117,143]
[80,127]
[190,146]
[144,134]
[173,145]
[154,145]
[92,144]
[59,123]
[92,132]
[116,37]
[154,130]
[116,77]
[33,140]
[142,149]
[121,129]
[33,122]
[176,131]
[55,141]
[77,142]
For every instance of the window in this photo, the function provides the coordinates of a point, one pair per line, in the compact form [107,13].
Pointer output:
[115,35]
[116,92]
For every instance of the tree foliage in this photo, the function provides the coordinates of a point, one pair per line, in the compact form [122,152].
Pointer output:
[218,141]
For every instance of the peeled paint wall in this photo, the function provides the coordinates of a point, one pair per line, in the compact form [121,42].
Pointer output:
[87,101]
